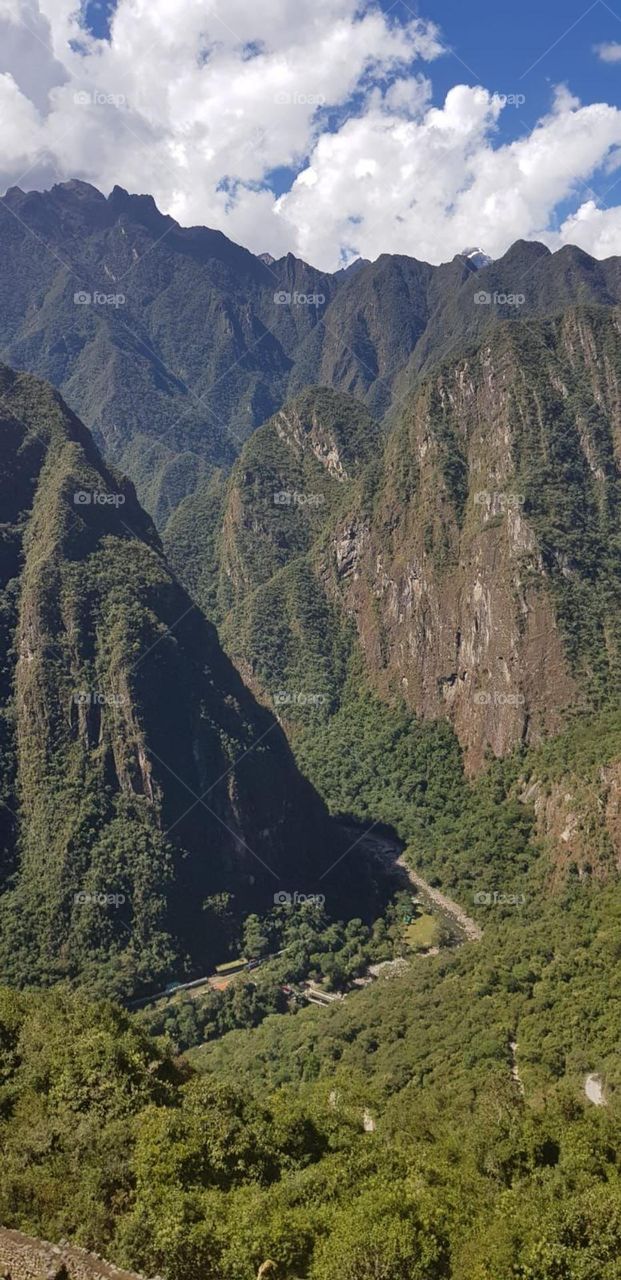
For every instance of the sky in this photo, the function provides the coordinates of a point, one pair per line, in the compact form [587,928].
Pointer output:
[328,128]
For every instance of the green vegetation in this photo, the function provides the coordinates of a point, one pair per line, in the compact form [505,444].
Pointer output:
[432,1125]
[135,759]
[422,933]
[376,762]
[264,1154]
[370,588]
[386,1134]
[295,944]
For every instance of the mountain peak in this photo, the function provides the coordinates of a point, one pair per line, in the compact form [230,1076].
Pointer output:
[142,208]
[75,186]
[476,257]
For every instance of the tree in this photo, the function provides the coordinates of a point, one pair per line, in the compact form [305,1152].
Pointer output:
[256,942]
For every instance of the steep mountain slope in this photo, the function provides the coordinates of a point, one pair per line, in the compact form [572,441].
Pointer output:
[280,621]
[173,344]
[396,317]
[527,282]
[139,778]
[479,564]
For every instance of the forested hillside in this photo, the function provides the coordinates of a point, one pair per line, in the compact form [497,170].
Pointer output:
[396,494]
[465,563]
[433,1124]
[173,344]
[148,800]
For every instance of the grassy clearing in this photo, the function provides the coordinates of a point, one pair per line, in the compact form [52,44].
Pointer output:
[422,933]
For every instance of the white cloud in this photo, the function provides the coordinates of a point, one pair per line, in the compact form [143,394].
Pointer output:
[610,52]
[597,231]
[441,182]
[198,104]
[212,99]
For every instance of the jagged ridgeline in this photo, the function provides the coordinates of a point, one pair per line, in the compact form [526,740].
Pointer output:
[140,780]
[173,344]
[466,559]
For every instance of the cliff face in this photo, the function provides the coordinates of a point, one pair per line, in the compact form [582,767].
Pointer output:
[573,786]
[478,563]
[490,601]
[140,779]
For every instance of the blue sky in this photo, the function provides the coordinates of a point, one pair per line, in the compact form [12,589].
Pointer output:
[521,50]
[524,47]
[328,127]
[515,48]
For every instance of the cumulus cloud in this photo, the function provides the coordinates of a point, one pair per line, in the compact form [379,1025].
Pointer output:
[432,185]
[200,104]
[610,52]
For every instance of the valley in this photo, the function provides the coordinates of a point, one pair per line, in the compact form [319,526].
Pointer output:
[446,924]
[310,767]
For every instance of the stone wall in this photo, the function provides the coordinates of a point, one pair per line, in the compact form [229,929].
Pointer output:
[25,1258]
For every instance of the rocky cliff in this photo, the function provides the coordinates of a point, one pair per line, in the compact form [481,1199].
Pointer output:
[477,563]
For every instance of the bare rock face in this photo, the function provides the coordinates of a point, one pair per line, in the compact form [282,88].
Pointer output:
[454,586]
[470,550]
[268,1270]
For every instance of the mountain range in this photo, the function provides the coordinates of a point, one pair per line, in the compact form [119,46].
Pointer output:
[399,481]
[303,575]
[173,344]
